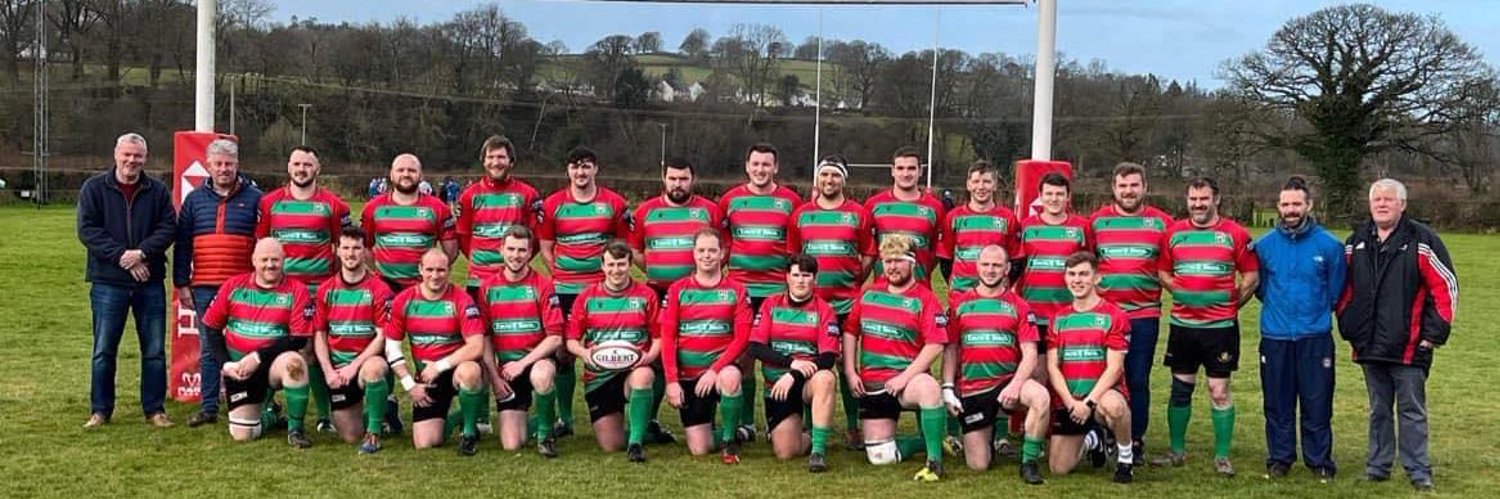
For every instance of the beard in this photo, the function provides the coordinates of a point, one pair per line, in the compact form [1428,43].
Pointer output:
[405,188]
[679,196]
[304,183]
[992,285]
[1128,204]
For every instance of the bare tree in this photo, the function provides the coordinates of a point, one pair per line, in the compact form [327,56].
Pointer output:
[648,42]
[15,33]
[863,62]
[695,45]
[73,20]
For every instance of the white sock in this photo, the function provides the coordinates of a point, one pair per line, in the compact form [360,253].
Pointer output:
[1090,441]
[1125,454]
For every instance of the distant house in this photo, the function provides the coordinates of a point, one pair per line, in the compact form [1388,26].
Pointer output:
[677,92]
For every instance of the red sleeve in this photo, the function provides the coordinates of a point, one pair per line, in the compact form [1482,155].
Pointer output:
[320,305]
[1088,236]
[830,341]
[637,227]
[1026,330]
[383,296]
[446,229]
[544,220]
[302,311]
[395,323]
[794,233]
[367,222]
[1348,293]
[1118,338]
[742,322]
[577,317]
[866,235]
[552,316]
[1012,241]
[719,221]
[954,301]
[1245,259]
[653,309]
[760,331]
[217,314]
[1052,338]
[667,330]
[1020,252]
[531,213]
[473,319]
[263,223]
[465,228]
[340,220]
[622,219]
[945,237]
[1441,284]
[934,320]
[1164,250]
[851,323]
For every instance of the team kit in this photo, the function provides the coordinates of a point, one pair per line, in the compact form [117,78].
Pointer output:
[1031,358]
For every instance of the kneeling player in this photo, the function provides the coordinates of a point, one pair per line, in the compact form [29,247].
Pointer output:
[991,338]
[797,342]
[617,310]
[525,328]
[704,329]
[894,332]
[266,320]
[350,344]
[1085,363]
[447,339]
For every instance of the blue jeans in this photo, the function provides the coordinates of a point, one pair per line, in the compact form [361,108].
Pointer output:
[1143,335]
[212,353]
[110,304]
[1297,377]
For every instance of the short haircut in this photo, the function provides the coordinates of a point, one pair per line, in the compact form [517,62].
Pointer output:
[802,262]
[306,149]
[617,249]
[677,163]
[1298,183]
[765,148]
[1127,168]
[982,166]
[709,232]
[520,232]
[906,152]
[1389,184]
[1082,257]
[1056,180]
[223,147]
[353,231]
[131,138]
[1200,182]
[498,142]
[581,154]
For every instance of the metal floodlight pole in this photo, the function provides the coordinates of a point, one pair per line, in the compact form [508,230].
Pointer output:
[304,122]
[663,127]
[203,115]
[41,116]
[1046,70]
[937,21]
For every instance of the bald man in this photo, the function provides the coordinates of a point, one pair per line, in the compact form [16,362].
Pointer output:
[266,320]
[403,223]
[447,332]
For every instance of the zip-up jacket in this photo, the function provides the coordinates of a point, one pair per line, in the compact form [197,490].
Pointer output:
[1399,293]
[1302,273]
[109,224]
[215,235]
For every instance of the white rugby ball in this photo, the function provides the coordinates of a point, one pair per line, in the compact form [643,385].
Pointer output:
[615,355]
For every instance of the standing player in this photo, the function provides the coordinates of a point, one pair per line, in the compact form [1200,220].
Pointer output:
[307,219]
[488,207]
[797,342]
[835,231]
[991,339]
[1086,361]
[404,223]
[617,309]
[661,240]
[525,330]
[266,319]
[1047,239]
[350,344]
[447,339]
[759,215]
[893,334]
[1127,237]
[1200,257]
[574,224]
[905,209]
[704,329]
[971,227]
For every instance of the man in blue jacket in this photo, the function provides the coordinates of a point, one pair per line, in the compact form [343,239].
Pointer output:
[126,222]
[1302,276]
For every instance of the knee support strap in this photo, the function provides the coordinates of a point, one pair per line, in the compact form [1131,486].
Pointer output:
[882,453]
[1182,393]
[251,425]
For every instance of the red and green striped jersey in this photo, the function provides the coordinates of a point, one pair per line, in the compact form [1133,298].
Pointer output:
[1203,262]
[599,316]
[665,234]
[989,333]
[437,327]
[921,219]
[758,227]
[397,235]
[801,332]
[520,313]
[1083,340]
[967,231]
[253,317]
[839,239]
[352,314]
[1046,248]
[580,230]
[1128,247]
[892,329]
[485,210]
[703,328]
[308,230]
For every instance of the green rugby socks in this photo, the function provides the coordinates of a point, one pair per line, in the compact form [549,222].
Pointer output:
[640,414]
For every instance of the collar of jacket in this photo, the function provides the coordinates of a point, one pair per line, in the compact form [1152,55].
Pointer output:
[1309,223]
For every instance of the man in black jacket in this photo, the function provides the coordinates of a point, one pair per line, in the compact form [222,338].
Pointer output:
[126,222]
[1397,309]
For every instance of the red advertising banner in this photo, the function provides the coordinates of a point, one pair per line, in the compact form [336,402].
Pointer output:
[188,173]
[1029,175]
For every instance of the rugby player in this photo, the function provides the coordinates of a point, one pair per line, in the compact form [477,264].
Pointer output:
[971,227]
[525,330]
[894,333]
[404,223]
[1086,362]
[1200,257]
[350,344]
[447,339]
[488,207]
[906,209]
[617,309]
[1046,240]
[797,342]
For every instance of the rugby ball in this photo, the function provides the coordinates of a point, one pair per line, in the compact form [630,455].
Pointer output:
[615,355]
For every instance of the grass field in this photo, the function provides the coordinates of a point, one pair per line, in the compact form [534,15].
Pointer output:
[45,340]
